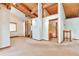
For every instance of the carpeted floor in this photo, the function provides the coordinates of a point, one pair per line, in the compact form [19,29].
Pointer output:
[22,46]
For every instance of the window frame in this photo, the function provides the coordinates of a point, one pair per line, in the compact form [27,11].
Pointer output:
[15,26]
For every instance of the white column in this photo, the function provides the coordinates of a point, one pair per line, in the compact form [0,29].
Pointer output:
[40,20]
[61,19]
[4,27]
[40,11]
[37,25]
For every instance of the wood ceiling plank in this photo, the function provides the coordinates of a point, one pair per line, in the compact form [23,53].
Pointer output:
[53,9]
[71,10]
[26,6]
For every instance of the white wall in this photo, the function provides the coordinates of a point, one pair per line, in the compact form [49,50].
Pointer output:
[19,18]
[46,25]
[4,27]
[20,26]
[36,28]
[73,25]
[45,34]
[18,13]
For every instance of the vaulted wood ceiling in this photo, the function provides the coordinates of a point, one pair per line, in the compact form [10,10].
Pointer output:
[31,9]
[71,10]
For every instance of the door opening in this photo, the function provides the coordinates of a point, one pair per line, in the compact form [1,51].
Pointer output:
[53,30]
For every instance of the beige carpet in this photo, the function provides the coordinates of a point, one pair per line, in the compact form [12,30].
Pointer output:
[22,46]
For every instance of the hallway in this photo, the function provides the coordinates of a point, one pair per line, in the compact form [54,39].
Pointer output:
[22,46]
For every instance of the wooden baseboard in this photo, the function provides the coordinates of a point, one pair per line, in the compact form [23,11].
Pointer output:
[16,36]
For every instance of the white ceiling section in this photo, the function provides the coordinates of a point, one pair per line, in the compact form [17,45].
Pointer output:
[18,13]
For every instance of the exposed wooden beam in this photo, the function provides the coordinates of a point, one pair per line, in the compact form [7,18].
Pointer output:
[36,14]
[29,9]
[24,10]
[44,7]
[7,5]
[26,6]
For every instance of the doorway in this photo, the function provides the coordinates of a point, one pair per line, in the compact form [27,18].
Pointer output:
[53,27]
[28,28]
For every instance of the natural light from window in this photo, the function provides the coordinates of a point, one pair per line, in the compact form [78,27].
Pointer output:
[12,27]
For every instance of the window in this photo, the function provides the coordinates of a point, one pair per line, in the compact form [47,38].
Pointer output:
[13,27]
